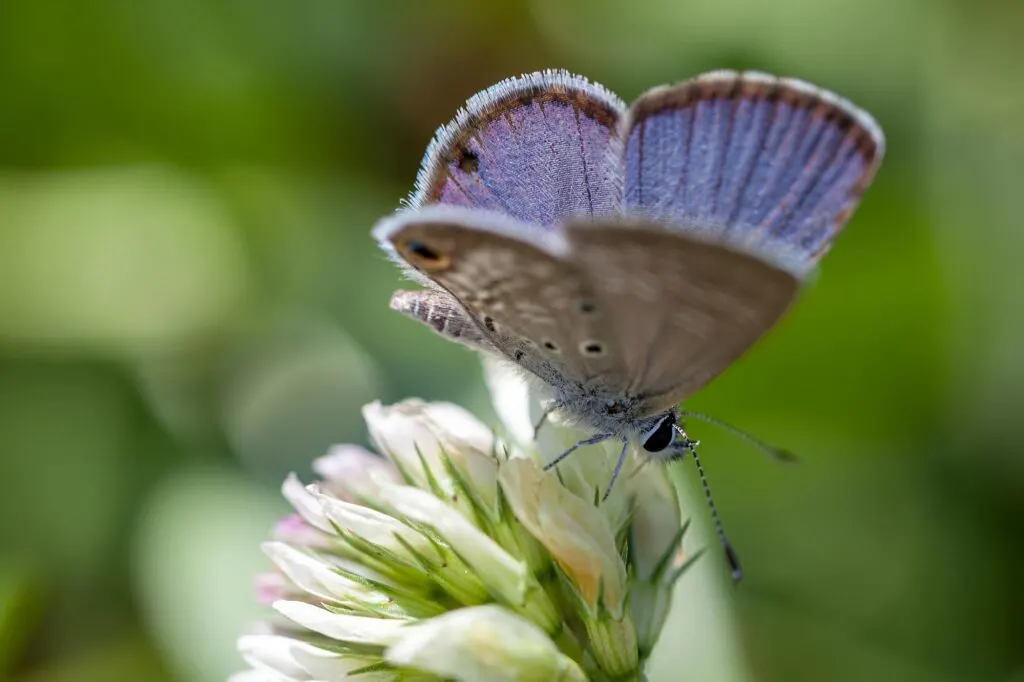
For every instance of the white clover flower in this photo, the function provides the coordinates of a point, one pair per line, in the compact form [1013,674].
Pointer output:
[456,556]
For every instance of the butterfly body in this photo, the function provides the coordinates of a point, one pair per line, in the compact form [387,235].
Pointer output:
[625,256]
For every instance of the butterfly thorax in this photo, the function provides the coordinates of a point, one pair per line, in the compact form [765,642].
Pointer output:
[627,417]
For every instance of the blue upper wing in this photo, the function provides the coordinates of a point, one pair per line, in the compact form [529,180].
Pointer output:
[536,148]
[763,162]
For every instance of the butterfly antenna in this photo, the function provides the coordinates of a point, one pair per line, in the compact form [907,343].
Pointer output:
[730,554]
[778,454]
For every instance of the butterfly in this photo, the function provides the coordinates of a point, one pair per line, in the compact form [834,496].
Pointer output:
[624,256]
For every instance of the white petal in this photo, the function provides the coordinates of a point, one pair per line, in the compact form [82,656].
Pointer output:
[483,643]
[400,432]
[354,566]
[305,504]
[315,577]
[470,445]
[327,665]
[656,518]
[414,428]
[271,654]
[573,530]
[457,428]
[480,473]
[354,629]
[510,395]
[414,432]
[494,565]
[373,526]
[587,471]
[295,659]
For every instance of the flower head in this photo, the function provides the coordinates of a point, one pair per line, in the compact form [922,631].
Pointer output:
[454,555]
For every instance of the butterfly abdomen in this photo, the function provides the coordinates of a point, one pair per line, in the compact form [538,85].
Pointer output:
[442,314]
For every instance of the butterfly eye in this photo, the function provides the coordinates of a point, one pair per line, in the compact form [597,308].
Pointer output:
[423,256]
[661,436]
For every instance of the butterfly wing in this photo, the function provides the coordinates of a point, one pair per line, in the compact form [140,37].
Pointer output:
[682,308]
[535,148]
[748,158]
[525,298]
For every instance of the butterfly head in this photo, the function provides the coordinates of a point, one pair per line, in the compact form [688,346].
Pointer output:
[625,418]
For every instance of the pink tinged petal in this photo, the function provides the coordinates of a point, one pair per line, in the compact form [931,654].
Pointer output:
[344,628]
[271,587]
[483,643]
[350,470]
[294,530]
[305,504]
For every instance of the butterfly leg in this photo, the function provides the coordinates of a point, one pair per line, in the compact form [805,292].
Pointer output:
[596,438]
[548,410]
[540,422]
[617,470]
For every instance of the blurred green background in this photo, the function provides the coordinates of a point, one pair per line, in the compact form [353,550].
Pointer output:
[191,306]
